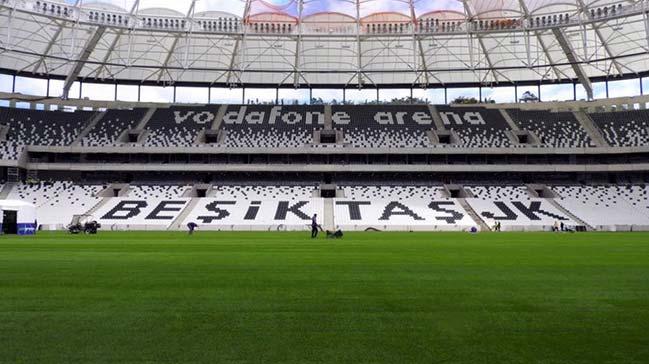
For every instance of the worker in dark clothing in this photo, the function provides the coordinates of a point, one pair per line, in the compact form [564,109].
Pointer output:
[314,226]
[192,226]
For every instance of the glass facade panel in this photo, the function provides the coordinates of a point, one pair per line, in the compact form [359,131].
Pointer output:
[360,97]
[454,94]
[624,88]
[293,96]
[192,95]
[499,94]
[260,95]
[558,92]
[6,83]
[31,86]
[398,95]
[226,95]
[96,91]
[156,94]
[127,93]
[327,95]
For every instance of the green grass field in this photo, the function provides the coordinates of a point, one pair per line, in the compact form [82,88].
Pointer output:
[284,298]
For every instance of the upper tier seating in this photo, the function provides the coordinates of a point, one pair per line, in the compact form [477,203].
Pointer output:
[398,126]
[476,127]
[57,202]
[624,128]
[43,128]
[179,126]
[602,206]
[111,126]
[555,129]
[266,126]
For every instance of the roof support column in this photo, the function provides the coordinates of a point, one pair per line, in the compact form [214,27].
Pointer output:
[572,58]
[416,39]
[358,44]
[485,52]
[81,60]
[598,34]
[641,87]
[539,40]
[239,47]
[646,24]
[298,43]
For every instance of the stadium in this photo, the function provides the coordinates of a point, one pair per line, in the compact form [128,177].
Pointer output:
[311,181]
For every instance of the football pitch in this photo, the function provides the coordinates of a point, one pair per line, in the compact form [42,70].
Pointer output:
[284,298]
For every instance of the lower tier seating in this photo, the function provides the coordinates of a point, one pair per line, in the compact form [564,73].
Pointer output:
[357,207]
[499,192]
[392,192]
[156,191]
[57,202]
[605,206]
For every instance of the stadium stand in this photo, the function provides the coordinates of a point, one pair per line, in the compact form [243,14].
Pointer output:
[44,128]
[513,207]
[499,192]
[263,192]
[108,130]
[554,129]
[624,128]
[178,126]
[388,205]
[10,150]
[399,208]
[267,126]
[156,191]
[130,213]
[476,127]
[360,192]
[257,207]
[605,207]
[57,202]
[395,126]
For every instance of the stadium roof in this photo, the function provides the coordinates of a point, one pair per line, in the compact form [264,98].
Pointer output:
[326,43]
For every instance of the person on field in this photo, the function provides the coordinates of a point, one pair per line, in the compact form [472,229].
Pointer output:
[192,226]
[314,226]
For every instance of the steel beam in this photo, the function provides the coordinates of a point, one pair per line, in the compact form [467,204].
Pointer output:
[572,58]
[81,60]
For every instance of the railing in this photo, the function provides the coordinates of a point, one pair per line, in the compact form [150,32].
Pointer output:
[235,25]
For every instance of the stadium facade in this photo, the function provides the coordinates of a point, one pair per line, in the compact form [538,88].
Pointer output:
[406,165]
